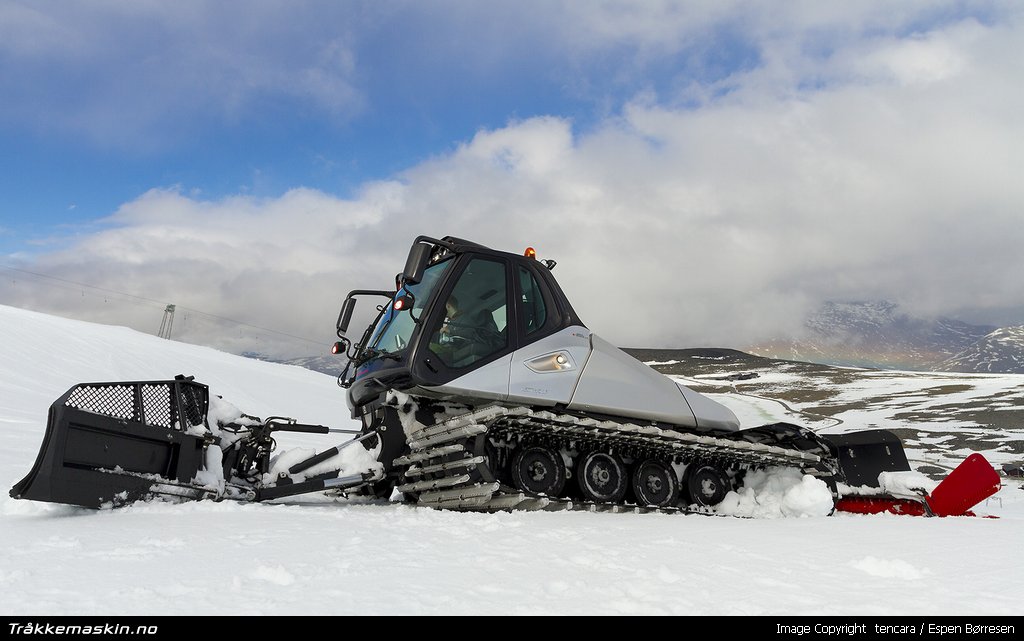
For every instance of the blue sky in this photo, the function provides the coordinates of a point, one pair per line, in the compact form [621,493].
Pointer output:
[83,136]
[862,151]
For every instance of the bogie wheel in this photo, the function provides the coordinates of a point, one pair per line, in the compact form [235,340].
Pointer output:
[602,477]
[538,470]
[655,484]
[705,485]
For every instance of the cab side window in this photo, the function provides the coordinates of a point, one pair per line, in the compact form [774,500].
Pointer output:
[475,322]
[534,312]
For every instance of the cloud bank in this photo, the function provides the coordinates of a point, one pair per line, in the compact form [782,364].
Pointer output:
[864,159]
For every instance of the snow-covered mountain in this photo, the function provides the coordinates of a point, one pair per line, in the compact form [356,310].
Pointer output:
[331,364]
[1001,351]
[300,557]
[876,334]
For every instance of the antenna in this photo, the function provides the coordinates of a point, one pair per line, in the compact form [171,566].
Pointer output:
[167,322]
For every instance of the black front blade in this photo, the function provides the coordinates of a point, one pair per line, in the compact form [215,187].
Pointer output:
[112,443]
[864,455]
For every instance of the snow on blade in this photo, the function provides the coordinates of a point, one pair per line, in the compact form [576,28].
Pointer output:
[909,484]
[212,474]
[222,412]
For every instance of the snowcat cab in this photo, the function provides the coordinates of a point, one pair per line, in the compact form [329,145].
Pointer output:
[478,387]
[514,338]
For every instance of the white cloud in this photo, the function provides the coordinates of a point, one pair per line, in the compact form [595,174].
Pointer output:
[885,169]
[142,73]
[139,73]
[271,262]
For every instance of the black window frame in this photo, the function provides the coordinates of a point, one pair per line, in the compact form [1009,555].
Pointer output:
[427,365]
[554,314]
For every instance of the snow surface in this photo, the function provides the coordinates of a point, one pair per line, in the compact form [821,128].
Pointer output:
[320,556]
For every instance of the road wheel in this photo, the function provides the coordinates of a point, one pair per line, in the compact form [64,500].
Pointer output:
[706,485]
[655,484]
[538,471]
[602,477]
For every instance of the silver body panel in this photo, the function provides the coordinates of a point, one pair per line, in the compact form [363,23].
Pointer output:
[540,385]
[490,382]
[708,412]
[581,371]
[613,382]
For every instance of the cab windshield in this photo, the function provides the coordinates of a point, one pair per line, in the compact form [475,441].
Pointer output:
[394,329]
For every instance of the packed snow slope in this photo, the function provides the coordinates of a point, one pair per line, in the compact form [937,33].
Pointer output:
[337,558]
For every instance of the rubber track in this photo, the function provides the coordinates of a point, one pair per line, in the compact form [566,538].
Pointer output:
[435,450]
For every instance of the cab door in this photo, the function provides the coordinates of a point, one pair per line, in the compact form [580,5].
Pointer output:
[553,349]
[469,337]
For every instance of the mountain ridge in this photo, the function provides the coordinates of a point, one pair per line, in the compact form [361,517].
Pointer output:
[999,352]
[878,334]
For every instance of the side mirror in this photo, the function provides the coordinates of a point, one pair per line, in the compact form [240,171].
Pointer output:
[345,317]
[416,264]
